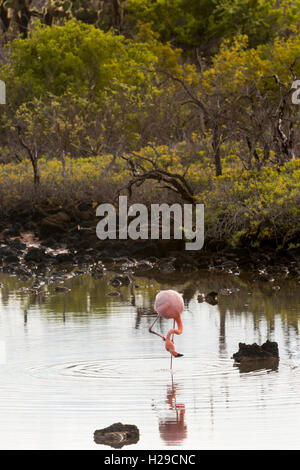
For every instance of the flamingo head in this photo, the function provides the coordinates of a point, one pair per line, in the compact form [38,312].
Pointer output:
[176,354]
[171,348]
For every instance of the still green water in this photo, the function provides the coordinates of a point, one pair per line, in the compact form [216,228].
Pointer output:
[82,360]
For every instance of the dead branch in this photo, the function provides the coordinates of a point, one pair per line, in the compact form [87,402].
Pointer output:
[173,181]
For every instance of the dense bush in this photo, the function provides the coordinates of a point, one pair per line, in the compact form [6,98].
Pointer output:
[92,112]
[241,207]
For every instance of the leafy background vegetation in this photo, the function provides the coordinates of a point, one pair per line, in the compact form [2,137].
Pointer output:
[175,100]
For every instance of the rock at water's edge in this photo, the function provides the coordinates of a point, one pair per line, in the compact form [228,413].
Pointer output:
[253,351]
[117,435]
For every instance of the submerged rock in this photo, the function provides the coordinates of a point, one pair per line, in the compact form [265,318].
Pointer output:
[225,291]
[247,352]
[201,298]
[212,298]
[97,271]
[117,435]
[119,280]
[143,265]
[263,276]
[61,289]
[114,293]
[166,265]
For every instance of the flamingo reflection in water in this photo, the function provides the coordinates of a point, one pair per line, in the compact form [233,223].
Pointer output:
[172,427]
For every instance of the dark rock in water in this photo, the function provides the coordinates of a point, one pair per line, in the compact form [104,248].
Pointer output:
[166,266]
[253,351]
[97,271]
[143,265]
[117,435]
[201,298]
[212,298]
[276,288]
[9,269]
[61,289]
[263,276]
[229,264]
[225,291]
[23,272]
[119,280]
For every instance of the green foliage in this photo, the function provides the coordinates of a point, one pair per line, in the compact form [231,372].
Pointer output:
[255,206]
[237,66]
[81,95]
[203,23]
[80,59]
[240,207]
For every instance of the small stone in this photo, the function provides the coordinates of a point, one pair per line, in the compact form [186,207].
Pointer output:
[225,292]
[61,289]
[113,294]
[117,435]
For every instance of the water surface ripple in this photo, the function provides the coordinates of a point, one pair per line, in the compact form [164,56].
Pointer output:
[82,360]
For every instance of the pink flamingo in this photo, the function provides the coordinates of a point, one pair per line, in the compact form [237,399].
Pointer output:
[169,304]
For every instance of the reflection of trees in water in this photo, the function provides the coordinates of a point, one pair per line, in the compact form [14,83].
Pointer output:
[252,300]
[172,427]
[142,301]
[188,292]
[4,291]
[222,329]
[89,296]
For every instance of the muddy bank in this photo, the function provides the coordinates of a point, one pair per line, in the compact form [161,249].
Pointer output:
[39,239]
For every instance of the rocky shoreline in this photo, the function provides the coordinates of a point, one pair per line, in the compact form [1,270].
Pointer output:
[39,240]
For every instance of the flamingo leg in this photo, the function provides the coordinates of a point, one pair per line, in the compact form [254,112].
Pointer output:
[154,332]
[171,363]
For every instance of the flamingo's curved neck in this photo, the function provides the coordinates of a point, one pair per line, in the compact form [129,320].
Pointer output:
[179,329]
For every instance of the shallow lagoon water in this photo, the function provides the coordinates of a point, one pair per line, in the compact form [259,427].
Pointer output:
[82,360]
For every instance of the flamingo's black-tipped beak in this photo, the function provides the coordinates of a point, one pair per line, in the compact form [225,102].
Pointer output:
[179,355]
